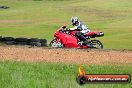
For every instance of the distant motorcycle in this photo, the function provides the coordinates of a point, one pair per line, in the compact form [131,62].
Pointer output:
[67,39]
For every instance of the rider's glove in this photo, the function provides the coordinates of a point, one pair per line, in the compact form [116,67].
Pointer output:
[64,27]
[79,28]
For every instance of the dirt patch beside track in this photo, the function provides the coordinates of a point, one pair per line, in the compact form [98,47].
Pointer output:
[76,56]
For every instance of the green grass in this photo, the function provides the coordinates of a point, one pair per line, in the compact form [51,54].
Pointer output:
[41,19]
[54,75]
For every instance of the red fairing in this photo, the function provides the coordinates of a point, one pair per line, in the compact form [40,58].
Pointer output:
[73,32]
[91,33]
[66,39]
[95,33]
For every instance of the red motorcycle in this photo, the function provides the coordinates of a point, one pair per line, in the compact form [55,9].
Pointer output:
[67,39]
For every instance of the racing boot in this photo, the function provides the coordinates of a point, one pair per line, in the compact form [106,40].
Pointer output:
[85,42]
[88,44]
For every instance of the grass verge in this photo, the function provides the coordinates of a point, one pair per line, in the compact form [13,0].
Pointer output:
[54,75]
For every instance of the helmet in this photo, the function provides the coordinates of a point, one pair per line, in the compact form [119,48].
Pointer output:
[74,21]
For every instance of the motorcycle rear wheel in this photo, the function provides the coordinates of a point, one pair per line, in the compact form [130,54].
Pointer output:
[56,44]
[97,44]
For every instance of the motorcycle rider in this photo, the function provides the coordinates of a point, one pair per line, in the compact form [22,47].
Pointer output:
[83,30]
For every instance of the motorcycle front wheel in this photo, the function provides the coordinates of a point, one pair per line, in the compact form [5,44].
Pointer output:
[56,44]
